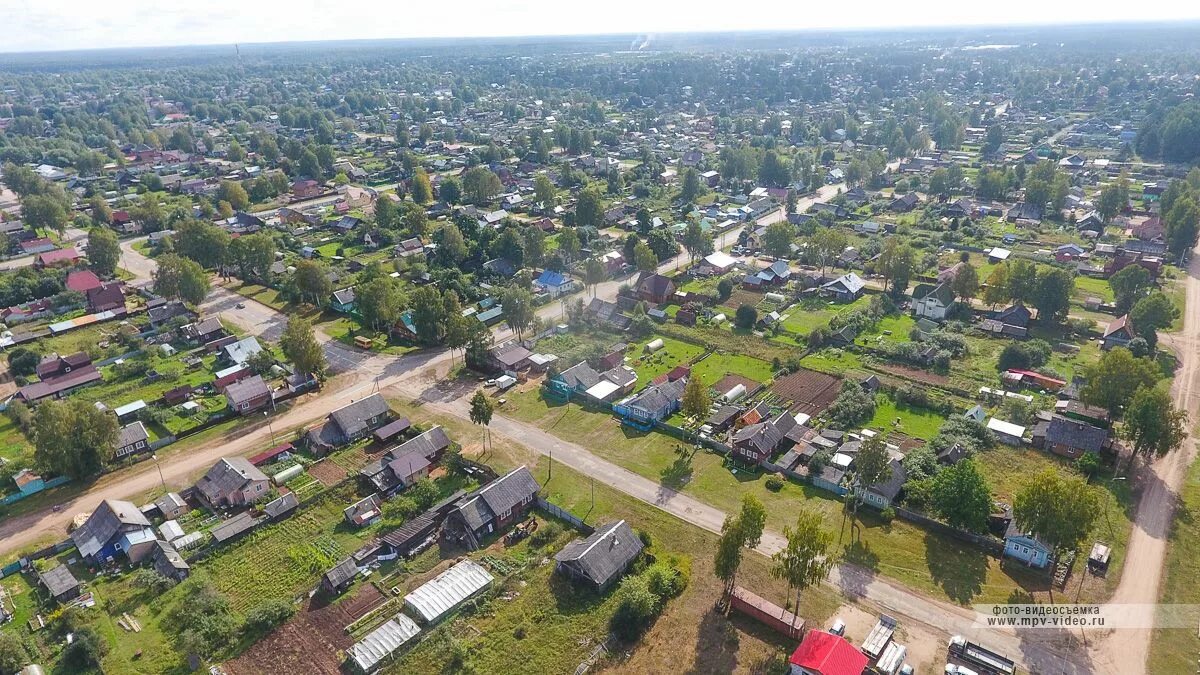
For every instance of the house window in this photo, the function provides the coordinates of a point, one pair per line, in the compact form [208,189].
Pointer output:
[243,406]
[258,488]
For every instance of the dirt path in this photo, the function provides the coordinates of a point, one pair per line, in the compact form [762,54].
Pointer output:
[1126,651]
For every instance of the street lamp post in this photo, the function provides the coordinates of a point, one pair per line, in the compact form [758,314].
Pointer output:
[159,467]
[267,416]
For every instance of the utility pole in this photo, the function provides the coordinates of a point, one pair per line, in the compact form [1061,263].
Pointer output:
[159,467]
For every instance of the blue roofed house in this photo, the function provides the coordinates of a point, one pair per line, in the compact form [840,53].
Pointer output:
[1024,546]
[653,404]
[554,283]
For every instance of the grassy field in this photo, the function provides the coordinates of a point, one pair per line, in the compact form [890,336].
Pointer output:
[673,353]
[1091,287]
[808,314]
[917,422]
[717,365]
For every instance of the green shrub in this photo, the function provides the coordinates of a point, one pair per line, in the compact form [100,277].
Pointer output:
[636,608]
[774,483]
[545,535]
[888,514]
[665,580]
[86,650]
[265,617]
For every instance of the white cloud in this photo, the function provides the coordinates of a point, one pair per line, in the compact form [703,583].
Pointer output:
[28,25]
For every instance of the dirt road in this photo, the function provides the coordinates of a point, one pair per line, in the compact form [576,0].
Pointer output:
[1126,651]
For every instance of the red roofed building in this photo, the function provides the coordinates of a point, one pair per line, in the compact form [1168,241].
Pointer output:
[82,281]
[822,653]
[63,256]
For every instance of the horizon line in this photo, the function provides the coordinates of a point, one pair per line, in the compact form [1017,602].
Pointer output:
[1180,24]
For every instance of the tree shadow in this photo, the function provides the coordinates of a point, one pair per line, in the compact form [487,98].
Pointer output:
[717,644]
[859,569]
[960,571]
[678,473]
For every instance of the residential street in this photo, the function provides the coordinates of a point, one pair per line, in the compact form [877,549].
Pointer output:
[416,376]
[1126,651]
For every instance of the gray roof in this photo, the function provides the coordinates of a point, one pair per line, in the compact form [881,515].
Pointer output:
[659,396]
[58,580]
[235,526]
[109,519]
[341,573]
[244,391]
[352,419]
[408,464]
[228,475]
[1075,434]
[604,554]
[167,552]
[132,433]
[282,505]
[239,352]
[849,282]
[427,444]
[891,487]
[345,296]
[499,496]
[511,355]
[580,376]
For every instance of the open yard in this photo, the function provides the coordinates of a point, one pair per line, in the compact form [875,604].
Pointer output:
[650,365]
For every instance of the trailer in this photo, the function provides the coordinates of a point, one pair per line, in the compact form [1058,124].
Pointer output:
[892,659]
[988,661]
[879,637]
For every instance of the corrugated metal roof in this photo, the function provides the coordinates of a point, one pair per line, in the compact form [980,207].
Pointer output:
[434,599]
[381,642]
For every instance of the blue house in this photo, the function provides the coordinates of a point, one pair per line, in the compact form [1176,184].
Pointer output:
[831,479]
[1025,547]
[653,404]
[115,527]
[29,482]
[343,301]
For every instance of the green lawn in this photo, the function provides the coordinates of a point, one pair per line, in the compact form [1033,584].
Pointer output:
[673,353]
[1091,287]
[717,365]
[916,422]
[803,317]
[833,361]
[13,444]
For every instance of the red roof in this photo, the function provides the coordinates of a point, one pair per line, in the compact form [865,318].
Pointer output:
[262,457]
[61,255]
[82,281]
[828,654]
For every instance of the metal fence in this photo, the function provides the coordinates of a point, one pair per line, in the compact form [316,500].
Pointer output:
[564,515]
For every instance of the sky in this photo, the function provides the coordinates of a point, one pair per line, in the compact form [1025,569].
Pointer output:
[41,25]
